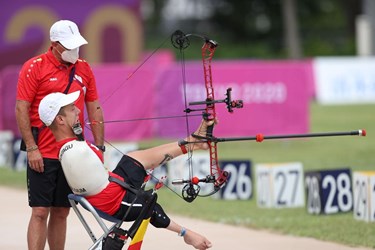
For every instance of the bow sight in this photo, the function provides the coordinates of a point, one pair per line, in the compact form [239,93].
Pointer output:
[231,104]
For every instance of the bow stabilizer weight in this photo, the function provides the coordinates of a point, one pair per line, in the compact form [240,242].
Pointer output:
[261,137]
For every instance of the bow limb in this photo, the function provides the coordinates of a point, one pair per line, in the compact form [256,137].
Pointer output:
[220,177]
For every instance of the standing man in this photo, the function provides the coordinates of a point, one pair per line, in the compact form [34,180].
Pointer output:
[57,70]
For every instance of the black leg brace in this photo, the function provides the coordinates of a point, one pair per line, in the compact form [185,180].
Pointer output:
[159,218]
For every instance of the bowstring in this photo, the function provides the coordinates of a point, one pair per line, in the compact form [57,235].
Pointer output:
[149,172]
[143,119]
[136,70]
[86,124]
[184,86]
[126,81]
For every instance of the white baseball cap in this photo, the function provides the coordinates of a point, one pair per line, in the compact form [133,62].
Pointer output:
[51,104]
[66,32]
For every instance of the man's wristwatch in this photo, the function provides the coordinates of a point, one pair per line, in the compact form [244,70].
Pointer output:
[102,148]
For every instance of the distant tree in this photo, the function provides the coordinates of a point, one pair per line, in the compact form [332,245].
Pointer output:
[251,20]
[261,28]
[291,36]
[324,26]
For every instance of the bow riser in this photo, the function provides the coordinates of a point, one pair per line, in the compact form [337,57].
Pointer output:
[208,51]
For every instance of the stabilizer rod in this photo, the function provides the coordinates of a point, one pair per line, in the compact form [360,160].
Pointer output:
[261,137]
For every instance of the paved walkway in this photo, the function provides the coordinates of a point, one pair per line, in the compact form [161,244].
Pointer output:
[15,214]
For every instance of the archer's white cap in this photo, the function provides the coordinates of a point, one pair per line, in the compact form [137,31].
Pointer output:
[51,104]
[66,32]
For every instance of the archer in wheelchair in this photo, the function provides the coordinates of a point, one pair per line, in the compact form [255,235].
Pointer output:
[117,193]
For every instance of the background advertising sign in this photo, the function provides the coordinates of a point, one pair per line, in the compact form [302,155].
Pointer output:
[345,80]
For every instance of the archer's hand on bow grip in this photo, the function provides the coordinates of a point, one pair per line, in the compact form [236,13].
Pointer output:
[204,133]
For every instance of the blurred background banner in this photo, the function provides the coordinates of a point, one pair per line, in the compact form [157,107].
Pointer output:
[8,88]
[345,80]
[127,104]
[113,28]
[275,96]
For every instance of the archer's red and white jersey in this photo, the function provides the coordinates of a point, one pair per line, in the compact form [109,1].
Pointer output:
[86,175]
[83,168]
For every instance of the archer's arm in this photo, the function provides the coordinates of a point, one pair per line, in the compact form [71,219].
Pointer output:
[153,157]
[95,113]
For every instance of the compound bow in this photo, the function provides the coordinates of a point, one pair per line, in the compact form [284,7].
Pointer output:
[217,176]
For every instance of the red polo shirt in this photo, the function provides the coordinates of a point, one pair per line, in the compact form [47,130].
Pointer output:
[43,75]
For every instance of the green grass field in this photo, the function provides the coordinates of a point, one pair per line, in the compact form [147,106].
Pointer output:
[315,153]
